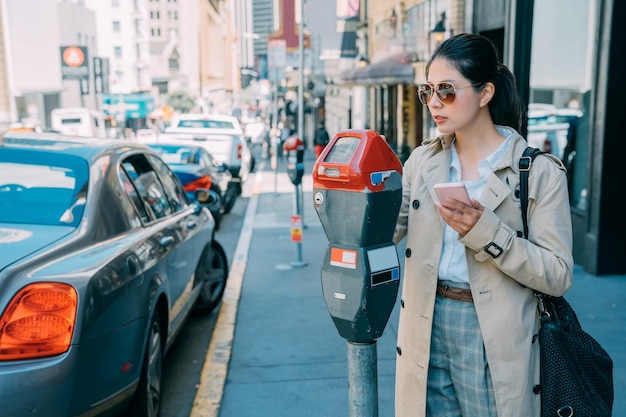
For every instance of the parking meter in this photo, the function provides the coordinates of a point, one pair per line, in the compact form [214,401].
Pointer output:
[293,147]
[357,192]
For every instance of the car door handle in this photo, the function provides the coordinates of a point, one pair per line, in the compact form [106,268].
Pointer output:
[191,224]
[133,266]
[166,241]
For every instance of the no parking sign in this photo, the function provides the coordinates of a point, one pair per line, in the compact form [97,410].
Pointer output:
[296,228]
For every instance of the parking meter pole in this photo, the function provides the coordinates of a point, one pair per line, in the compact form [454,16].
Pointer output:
[297,212]
[362,380]
[275,166]
[274,139]
[293,148]
[357,192]
[301,202]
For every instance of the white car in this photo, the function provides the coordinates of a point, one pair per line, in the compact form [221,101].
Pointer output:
[221,135]
[205,121]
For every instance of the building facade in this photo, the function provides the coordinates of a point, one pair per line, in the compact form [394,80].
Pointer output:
[570,63]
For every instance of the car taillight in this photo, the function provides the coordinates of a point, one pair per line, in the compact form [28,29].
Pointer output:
[39,321]
[239,151]
[202,182]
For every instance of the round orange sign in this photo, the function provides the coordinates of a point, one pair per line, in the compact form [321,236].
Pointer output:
[73,56]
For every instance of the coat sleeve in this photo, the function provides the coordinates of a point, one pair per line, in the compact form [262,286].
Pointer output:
[544,261]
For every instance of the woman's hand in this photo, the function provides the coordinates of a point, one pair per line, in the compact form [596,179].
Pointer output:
[459,215]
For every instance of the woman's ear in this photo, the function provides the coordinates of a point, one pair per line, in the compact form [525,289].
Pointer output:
[487,93]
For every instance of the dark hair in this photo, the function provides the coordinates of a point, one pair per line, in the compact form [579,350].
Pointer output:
[476,58]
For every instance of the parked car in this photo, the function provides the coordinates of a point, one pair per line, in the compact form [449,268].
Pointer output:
[221,135]
[196,168]
[102,259]
[78,121]
[549,127]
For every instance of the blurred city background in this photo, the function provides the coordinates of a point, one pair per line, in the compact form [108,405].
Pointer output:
[135,64]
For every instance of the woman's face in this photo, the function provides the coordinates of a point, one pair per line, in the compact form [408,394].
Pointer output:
[462,102]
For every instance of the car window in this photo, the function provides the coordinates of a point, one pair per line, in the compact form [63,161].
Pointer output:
[205,124]
[148,187]
[173,154]
[174,191]
[133,194]
[42,188]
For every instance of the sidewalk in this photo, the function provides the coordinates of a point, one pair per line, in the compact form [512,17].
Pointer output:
[275,350]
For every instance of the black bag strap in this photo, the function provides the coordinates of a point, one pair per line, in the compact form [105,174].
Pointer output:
[525,163]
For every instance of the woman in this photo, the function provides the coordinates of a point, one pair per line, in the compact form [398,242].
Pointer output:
[468,321]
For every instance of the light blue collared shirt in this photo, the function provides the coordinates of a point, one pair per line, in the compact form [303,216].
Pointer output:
[453,265]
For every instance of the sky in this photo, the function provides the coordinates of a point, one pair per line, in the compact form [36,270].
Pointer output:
[321,20]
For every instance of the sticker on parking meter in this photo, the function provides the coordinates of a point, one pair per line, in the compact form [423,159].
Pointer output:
[378,178]
[343,258]
[296,228]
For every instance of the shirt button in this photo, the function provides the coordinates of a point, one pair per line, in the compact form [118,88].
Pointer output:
[407,253]
[398,350]
[415,204]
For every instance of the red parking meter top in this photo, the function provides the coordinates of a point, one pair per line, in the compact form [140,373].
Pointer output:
[293,143]
[356,160]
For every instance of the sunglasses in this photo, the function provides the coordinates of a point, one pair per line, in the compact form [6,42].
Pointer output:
[446,92]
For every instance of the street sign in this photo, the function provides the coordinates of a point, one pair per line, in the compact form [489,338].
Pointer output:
[74,63]
[101,75]
[276,53]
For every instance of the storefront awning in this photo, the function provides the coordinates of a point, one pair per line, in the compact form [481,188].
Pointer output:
[395,69]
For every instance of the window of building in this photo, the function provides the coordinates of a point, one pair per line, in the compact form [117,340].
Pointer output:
[117,27]
[115,3]
[117,51]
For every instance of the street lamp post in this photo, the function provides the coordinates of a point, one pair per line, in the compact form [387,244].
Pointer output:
[301,75]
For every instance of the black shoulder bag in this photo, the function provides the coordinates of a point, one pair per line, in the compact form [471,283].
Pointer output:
[576,372]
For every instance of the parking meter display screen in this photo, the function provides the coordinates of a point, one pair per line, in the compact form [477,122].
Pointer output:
[342,151]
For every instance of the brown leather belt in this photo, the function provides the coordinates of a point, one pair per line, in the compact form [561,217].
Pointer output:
[459,294]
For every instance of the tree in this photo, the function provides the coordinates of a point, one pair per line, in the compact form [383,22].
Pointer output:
[181,101]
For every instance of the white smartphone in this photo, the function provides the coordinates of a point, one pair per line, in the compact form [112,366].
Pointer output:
[455,190]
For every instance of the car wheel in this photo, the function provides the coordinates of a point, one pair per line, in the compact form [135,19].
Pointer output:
[147,401]
[212,273]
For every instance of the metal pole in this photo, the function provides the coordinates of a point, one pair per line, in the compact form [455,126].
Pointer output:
[362,380]
[301,196]
[276,133]
[301,81]
[298,262]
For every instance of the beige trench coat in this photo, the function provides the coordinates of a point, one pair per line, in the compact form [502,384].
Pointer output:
[502,286]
